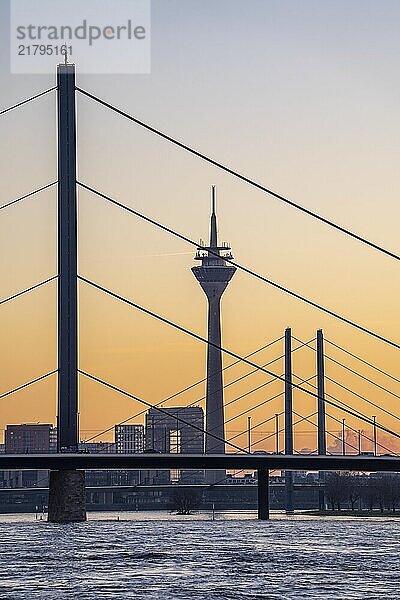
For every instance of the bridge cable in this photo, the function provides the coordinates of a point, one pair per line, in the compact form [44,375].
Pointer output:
[258,406]
[6,110]
[247,180]
[30,289]
[381,387]
[200,399]
[25,385]
[330,433]
[361,416]
[393,415]
[157,408]
[182,391]
[257,424]
[233,354]
[241,267]
[334,381]
[330,358]
[255,389]
[227,440]
[252,408]
[197,400]
[363,361]
[296,423]
[45,187]
[200,338]
[282,429]
[362,435]
[249,410]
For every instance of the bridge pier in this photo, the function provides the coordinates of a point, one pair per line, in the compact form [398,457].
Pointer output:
[67,497]
[263,494]
[321,491]
[289,507]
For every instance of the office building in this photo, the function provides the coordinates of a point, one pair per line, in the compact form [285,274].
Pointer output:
[29,439]
[129,439]
[177,430]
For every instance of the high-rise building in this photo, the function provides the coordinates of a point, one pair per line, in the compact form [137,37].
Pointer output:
[29,439]
[214,274]
[177,430]
[129,439]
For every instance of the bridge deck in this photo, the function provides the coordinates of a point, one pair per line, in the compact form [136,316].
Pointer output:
[199,461]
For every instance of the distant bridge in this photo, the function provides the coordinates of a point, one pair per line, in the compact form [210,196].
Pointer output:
[166,486]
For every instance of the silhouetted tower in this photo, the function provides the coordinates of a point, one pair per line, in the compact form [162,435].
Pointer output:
[214,274]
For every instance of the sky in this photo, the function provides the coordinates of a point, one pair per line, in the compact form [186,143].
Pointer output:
[301,96]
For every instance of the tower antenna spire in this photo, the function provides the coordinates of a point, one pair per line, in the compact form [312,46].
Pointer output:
[213,198]
[213,228]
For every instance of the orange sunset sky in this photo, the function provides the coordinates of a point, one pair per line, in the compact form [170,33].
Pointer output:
[302,97]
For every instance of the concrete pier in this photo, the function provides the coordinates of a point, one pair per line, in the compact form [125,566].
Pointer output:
[263,494]
[289,488]
[67,497]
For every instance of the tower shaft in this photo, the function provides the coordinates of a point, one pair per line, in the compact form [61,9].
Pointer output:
[214,396]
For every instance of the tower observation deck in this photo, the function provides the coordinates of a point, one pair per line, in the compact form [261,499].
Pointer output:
[214,274]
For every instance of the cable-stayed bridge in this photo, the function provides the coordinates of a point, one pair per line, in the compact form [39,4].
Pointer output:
[67,485]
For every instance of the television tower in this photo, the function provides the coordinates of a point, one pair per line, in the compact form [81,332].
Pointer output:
[214,274]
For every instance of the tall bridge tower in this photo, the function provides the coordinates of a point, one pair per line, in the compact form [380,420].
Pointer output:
[214,274]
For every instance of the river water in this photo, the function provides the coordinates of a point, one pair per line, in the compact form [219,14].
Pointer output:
[162,556]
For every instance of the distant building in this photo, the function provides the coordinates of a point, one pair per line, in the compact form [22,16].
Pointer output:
[29,439]
[177,430]
[53,439]
[129,439]
[96,447]
[248,479]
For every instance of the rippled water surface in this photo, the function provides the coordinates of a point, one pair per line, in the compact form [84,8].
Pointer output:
[154,555]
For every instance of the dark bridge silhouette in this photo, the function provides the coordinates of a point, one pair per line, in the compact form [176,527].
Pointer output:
[257,462]
[70,463]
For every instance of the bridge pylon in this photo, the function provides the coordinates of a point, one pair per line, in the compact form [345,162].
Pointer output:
[288,419]
[321,412]
[67,488]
